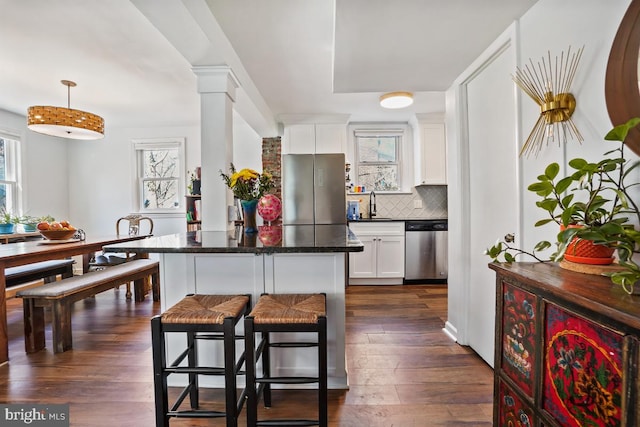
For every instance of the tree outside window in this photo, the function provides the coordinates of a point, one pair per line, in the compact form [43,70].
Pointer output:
[160,181]
[160,166]
[378,161]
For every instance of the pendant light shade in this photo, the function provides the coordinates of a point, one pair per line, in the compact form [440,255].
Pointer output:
[65,122]
[396,99]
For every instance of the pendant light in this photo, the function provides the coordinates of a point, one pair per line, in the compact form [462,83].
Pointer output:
[65,122]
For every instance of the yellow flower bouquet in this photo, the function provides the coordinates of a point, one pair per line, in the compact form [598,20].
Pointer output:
[247,184]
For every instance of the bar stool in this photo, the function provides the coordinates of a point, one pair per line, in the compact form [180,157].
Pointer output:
[201,317]
[284,313]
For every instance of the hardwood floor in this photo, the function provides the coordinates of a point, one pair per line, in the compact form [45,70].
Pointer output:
[403,370]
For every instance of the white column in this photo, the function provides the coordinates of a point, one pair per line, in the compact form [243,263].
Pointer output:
[217,88]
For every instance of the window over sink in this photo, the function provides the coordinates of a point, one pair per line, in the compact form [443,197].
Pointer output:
[378,153]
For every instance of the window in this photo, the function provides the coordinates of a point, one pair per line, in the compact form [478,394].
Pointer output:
[8,173]
[159,172]
[378,154]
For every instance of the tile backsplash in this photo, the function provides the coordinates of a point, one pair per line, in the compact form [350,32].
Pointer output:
[432,197]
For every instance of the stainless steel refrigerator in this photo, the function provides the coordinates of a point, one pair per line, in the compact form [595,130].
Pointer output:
[313,189]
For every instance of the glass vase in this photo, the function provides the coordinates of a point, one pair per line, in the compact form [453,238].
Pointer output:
[249,214]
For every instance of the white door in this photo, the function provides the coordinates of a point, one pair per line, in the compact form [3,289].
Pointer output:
[363,264]
[493,192]
[390,256]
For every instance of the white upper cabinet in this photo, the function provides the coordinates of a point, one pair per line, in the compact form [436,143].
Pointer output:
[331,138]
[315,138]
[431,155]
[299,139]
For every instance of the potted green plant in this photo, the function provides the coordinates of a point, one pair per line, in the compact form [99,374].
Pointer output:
[7,221]
[194,182]
[28,223]
[592,205]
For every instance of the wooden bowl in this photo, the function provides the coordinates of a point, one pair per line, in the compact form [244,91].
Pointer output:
[57,234]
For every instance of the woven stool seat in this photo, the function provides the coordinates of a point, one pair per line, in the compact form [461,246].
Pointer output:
[205,309]
[199,318]
[289,308]
[286,316]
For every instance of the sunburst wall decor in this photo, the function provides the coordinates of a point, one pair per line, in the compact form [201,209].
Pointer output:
[548,83]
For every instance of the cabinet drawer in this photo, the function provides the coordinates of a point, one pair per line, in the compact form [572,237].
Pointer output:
[395,228]
[513,411]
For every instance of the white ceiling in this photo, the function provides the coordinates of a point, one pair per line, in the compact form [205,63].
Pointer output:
[132,59]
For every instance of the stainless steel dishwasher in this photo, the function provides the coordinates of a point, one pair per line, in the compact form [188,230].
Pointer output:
[425,255]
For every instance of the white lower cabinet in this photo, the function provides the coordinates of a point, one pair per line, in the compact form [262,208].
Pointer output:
[382,260]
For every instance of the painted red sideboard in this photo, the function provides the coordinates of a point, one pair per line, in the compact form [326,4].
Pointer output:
[567,349]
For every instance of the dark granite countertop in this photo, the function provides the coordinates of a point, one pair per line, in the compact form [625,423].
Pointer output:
[379,219]
[273,239]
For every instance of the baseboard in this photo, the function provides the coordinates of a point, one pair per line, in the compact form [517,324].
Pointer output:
[451,331]
[424,281]
[377,281]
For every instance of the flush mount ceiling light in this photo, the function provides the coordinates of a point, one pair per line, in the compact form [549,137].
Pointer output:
[549,86]
[65,122]
[396,99]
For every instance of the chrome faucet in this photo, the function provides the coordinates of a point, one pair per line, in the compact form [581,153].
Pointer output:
[372,204]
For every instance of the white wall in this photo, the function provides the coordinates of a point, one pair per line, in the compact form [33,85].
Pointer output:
[102,173]
[102,177]
[44,168]
[247,145]
[591,23]
[548,26]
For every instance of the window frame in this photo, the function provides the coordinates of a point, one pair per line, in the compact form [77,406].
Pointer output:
[141,145]
[12,172]
[367,132]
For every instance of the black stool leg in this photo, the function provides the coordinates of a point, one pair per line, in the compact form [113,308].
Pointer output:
[231,396]
[266,368]
[250,360]
[322,367]
[192,359]
[159,376]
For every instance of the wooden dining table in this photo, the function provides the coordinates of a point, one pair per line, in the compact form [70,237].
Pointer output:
[15,254]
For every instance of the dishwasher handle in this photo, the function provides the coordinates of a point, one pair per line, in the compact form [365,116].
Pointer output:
[426,225]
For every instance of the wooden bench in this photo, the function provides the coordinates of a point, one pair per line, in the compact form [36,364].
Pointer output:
[26,274]
[62,294]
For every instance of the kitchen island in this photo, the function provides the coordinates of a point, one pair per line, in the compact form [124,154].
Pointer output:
[278,259]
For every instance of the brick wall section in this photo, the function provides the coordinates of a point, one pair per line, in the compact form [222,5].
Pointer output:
[272,162]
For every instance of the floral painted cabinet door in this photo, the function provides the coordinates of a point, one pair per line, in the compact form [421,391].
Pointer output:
[514,412]
[519,337]
[583,370]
